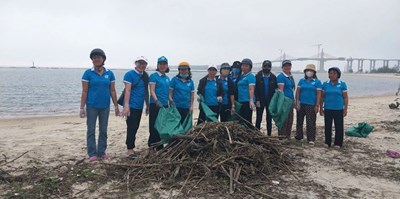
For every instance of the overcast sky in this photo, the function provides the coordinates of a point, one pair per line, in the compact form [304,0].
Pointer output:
[62,33]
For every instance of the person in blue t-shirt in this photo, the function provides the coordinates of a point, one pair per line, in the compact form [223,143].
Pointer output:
[136,94]
[98,85]
[265,89]
[159,90]
[228,98]
[308,95]
[245,86]
[334,103]
[181,91]
[286,85]
[212,91]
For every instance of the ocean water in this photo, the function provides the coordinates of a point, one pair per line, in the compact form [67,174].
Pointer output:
[26,92]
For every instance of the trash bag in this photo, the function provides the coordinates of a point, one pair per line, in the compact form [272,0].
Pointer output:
[210,115]
[362,130]
[279,108]
[168,123]
[234,117]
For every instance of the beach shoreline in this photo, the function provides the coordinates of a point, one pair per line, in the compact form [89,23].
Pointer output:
[50,141]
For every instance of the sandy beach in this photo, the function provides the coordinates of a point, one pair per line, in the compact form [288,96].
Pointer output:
[359,170]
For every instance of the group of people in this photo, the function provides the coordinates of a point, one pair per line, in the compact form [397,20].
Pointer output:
[235,85]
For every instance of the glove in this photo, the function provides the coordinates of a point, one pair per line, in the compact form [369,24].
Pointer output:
[171,103]
[158,104]
[198,99]
[252,106]
[219,98]
[258,105]
[147,110]
[191,109]
[116,111]
[82,113]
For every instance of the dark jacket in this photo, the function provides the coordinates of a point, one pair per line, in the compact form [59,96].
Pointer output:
[202,85]
[261,96]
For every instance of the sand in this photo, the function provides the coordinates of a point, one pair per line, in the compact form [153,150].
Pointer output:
[359,170]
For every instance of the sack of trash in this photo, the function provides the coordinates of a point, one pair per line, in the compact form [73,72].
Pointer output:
[362,130]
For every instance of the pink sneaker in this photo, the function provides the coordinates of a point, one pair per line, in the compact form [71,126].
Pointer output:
[93,158]
[105,157]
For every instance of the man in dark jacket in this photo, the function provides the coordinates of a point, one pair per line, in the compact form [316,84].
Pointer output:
[265,89]
[212,91]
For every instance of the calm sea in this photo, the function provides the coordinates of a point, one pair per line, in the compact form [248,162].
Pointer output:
[26,92]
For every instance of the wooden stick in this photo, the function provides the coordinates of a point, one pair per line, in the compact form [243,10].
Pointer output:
[230,180]
[247,187]
[17,157]
[229,134]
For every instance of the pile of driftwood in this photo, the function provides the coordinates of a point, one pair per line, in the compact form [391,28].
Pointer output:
[214,157]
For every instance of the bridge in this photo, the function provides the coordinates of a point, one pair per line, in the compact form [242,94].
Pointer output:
[323,57]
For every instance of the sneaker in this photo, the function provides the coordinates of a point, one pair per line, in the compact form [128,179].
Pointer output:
[337,146]
[311,143]
[132,156]
[92,158]
[105,157]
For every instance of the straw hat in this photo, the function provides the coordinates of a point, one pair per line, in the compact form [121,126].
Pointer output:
[310,67]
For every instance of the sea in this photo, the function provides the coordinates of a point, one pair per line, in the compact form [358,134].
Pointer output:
[28,92]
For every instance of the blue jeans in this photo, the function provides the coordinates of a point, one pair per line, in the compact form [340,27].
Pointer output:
[92,115]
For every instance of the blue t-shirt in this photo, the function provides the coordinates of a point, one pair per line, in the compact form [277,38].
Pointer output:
[288,85]
[243,86]
[136,99]
[161,83]
[333,99]
[210,92]
[308,91]
[182,92]
[99,88]
[266,82]
[225,96]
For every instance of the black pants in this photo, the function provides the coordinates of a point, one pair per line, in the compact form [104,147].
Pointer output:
[183,112]
[307,111]
[268,118]
[225,112]
[132,123]
[247,114]
[337,117]
[154,136]
[202,116]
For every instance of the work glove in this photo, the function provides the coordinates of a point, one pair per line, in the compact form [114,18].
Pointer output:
[219,98]
[82,113]
[258,104]
[252,106]
[158,104]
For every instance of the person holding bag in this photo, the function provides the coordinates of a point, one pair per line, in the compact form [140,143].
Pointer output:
[136,93]
[159,90]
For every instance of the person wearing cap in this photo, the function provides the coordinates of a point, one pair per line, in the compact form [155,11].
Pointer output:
[159,90]
[334,103]
[265,89]
[98,85]
[228,98]
[308,95]
[181,91]
[212,91]
[236,71]
[136,94]
[245,87]
[286,85]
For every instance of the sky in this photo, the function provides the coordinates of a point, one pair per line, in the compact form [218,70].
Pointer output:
[62,33]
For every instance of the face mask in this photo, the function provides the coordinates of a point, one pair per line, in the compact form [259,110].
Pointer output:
[266,70]
[184,76]
[309,73]
[236,71]
[224,72]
